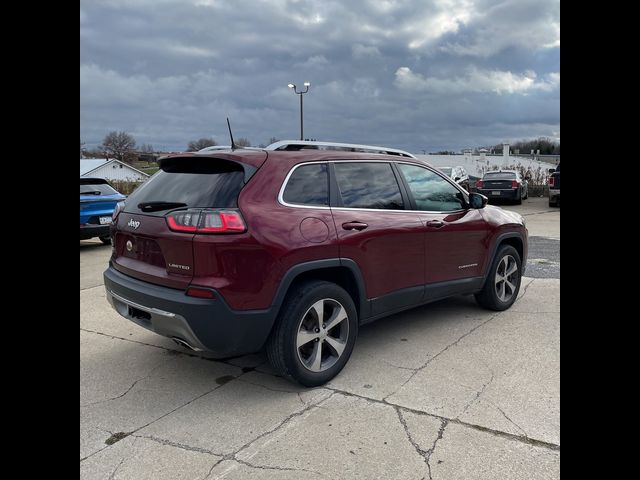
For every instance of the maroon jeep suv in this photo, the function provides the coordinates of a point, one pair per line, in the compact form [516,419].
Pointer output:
[230,251]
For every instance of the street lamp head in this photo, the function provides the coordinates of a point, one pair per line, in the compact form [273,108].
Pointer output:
[306,84]
[291,85]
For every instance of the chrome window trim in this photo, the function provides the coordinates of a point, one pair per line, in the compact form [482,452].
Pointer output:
[286,181]
[321,207]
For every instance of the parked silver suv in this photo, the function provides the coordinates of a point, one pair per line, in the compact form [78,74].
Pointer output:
[458,174]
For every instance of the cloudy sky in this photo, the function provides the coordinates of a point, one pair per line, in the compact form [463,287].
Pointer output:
[418,75]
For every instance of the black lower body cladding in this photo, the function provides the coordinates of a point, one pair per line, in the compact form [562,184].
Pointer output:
[203,324]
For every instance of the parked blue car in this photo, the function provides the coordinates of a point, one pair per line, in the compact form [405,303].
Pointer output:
[98,200]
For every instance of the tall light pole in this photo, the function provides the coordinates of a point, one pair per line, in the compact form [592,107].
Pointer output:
[295,90]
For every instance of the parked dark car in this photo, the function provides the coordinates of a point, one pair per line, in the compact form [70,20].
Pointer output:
[504,185]
[457,174]
[98,200]
[231,251]
[554,187]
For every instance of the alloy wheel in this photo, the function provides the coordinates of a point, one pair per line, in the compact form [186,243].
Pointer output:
[506,278]
[322,335]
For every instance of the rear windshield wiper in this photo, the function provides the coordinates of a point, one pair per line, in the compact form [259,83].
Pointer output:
[157,206]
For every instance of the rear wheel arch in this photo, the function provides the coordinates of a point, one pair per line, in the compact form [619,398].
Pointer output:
[342,272]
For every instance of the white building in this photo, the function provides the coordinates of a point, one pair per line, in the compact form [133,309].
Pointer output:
[110,170]
[475,165]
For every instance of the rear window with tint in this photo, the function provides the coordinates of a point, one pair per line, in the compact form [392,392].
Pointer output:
[500,176]
[308,185]
[97,190]
[198,183]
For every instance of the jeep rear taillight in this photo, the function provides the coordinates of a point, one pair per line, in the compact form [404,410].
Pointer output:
[552,181]
[514,184]
[206,221]
[479,184]
[117,210]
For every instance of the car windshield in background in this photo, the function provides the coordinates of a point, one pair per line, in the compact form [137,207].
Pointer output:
[99,189]
[500,176]
[446,171]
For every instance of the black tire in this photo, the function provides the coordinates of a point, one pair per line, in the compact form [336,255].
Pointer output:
[519,197]
[282,349]
[105,239]
[488,296]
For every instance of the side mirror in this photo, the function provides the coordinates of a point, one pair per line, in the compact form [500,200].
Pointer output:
[551,170]
[456,179]
[477,200]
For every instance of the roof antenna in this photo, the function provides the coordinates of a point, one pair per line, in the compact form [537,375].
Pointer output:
[233,145]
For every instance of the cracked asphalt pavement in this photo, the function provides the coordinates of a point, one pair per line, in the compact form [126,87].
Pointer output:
[444,391]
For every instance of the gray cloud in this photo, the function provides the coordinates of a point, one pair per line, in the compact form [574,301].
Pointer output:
[416,75]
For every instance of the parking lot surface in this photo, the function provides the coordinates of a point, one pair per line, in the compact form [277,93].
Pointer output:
[444,391]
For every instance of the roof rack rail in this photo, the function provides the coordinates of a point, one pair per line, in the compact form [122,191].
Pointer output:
[295,145]
[215,148]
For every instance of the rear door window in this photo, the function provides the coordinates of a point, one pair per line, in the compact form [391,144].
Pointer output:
[196,183]
[368,185]
[308,185]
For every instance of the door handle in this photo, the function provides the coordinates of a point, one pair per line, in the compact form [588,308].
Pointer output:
[435,223]
[354,226]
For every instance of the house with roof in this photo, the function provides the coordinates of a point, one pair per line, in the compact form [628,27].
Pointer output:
[110,169]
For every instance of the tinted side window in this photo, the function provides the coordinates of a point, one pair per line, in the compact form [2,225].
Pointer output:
[368,185]
[308,185]
[430,191]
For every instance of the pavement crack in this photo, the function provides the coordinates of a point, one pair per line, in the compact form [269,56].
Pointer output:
[526,287]
[111,477]
[429,452]
[421,452]
[128,389]
[398,366]
[508,418]
[478,393]
[457,421]
[282,469]
[289,418]
[182,446]
[453,344]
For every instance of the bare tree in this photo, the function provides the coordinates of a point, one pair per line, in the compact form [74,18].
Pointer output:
[243,142]
[118,144]
[273,140]
[201,143]
[146,148]
[81,148]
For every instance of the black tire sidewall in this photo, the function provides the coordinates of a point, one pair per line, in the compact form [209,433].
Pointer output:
[502,252]
[106,240]
[315,292]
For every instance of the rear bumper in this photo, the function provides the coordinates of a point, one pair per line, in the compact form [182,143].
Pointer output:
[92,231]
[554,193]
[508,194]
[203,324]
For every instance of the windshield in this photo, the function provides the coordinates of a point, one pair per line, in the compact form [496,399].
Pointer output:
[500,176]
[446,171]
[99,189]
